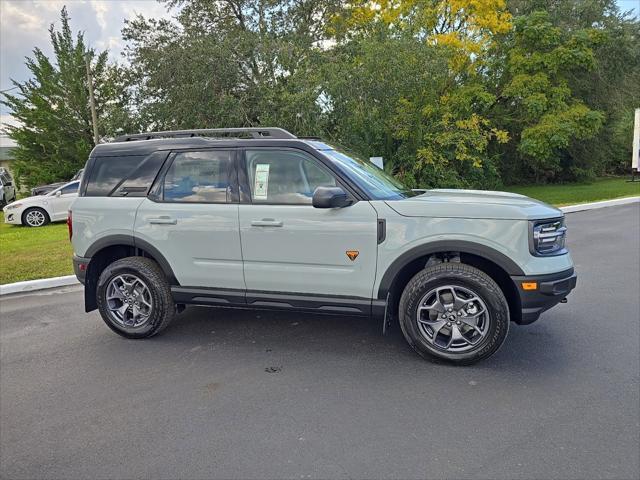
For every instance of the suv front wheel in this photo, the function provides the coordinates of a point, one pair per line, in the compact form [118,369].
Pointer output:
[454,312]
[134,297]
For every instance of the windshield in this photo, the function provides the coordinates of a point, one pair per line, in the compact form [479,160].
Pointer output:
[373,180]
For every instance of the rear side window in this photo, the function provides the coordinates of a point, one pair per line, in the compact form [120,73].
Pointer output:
[198,177]
[108,172]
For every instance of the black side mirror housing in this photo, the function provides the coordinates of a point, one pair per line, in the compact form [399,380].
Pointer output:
[330,197]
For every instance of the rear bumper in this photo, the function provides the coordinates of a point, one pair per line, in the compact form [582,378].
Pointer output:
[551,290]
[80,265]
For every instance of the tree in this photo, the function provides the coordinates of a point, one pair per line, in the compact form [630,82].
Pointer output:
[537,104]
[425,61]
[54,134]
[609,84]
[229,63]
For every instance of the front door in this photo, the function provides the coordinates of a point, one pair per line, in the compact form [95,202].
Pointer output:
[290,247]
[60,204]
[191,218]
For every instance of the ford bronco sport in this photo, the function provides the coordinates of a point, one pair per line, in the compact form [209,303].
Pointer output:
[259,218]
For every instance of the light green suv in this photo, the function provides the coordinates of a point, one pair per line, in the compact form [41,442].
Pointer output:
[258,218]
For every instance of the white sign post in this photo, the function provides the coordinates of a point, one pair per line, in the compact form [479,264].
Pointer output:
[636,144]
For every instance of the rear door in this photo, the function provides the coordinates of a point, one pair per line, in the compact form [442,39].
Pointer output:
[191,217]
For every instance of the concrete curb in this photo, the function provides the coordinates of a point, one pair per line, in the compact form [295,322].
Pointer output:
[41,284]
[44,283]
[593,205]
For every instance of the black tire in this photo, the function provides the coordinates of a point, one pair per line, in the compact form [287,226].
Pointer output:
[466,277]
[35,209]
[162,305]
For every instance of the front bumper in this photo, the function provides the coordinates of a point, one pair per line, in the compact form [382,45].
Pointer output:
[550,290]
[12,216]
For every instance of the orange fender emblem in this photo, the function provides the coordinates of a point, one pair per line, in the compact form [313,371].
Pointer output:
[352,254]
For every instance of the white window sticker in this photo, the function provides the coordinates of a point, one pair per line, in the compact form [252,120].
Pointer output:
[261,184]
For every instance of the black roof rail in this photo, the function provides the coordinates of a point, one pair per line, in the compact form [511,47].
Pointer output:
[254,132]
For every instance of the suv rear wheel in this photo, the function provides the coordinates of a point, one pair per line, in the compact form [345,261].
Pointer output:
[134,297]
[454,312]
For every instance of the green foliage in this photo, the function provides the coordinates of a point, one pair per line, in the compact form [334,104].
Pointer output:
[544,117]
[55,136]
[235,63]
[597,66]
[463,93]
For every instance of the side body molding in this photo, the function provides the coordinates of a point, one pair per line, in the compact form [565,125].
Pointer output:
[461,246]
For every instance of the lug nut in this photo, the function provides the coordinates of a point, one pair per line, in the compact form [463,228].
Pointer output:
[444,316]
[448,324]
[458,322]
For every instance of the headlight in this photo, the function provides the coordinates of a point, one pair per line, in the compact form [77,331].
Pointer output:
[547,237]
[11,206]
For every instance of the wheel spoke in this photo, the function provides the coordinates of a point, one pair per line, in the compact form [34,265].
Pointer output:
[128,293]
[116,293]
[455,336]
[457,310]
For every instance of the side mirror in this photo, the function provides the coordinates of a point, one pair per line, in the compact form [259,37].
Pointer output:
[58,193]
[330,197]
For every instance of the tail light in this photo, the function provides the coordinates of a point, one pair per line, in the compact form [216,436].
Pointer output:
[70,224]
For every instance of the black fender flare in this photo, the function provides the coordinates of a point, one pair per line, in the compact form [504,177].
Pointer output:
[132,241]
[460,246]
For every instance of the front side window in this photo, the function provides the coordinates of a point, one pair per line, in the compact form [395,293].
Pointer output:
[285,176]
[198,177]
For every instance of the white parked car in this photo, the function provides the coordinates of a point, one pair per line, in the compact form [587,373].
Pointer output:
[42,209]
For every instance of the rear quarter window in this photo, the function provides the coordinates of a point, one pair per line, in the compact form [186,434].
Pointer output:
[109,172]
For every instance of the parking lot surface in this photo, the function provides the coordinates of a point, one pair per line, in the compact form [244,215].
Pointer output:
[237,394]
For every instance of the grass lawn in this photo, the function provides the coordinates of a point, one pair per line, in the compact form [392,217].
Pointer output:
[572,193]
[31,253]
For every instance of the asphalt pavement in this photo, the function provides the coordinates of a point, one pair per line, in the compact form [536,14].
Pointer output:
[237,394]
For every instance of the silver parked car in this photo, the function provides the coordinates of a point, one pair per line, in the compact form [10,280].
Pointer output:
[258,218]
[7,187]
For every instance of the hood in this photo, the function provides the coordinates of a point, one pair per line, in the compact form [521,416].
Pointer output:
[35,200]
[474,204]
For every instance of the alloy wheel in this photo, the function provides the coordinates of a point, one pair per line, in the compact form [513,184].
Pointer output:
[453,318]
[129,301]
[35,218]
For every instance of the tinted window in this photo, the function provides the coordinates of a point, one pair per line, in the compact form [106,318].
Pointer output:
[201,177]
[108,172]
[285,176]
[139,182]
[71,188]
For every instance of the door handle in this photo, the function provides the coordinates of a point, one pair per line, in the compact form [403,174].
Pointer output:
[164,220]
[266,222]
